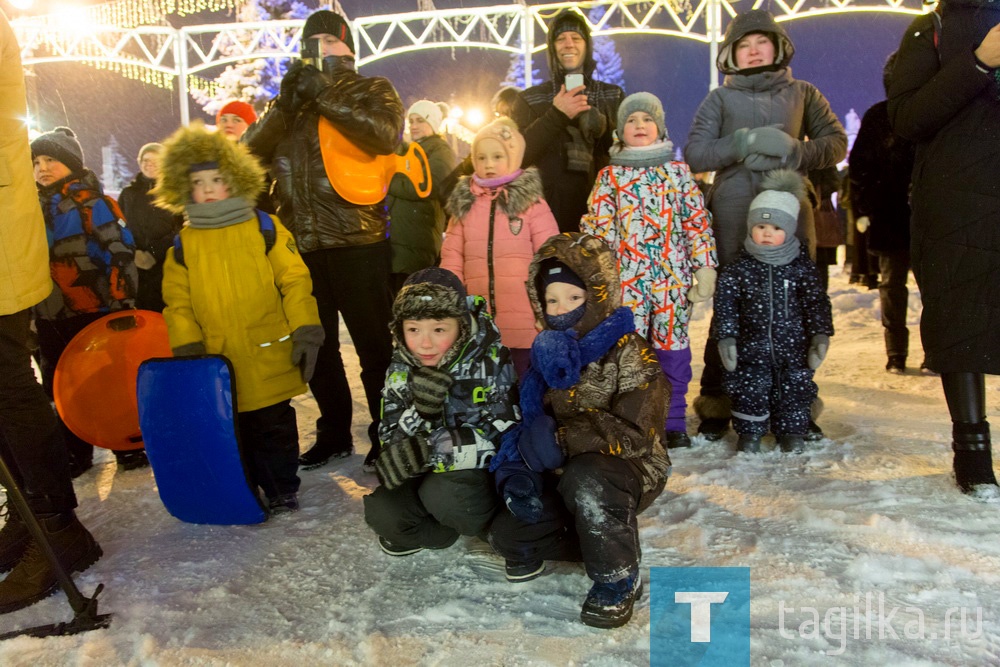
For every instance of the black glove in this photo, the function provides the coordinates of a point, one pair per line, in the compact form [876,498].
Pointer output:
[189,350]
[522,498]
[430,387]
[402,460]
[311,83]
[306,341]
[287,100]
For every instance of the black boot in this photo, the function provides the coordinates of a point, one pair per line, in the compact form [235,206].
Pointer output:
[14,539]
[320,453]
[748,443]
[792,443]
[973,464]
[33,578]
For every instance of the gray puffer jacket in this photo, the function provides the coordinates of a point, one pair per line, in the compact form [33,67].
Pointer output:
[758,98]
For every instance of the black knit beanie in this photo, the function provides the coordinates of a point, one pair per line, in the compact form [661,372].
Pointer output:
[554,271]
[325,22]
[60,144]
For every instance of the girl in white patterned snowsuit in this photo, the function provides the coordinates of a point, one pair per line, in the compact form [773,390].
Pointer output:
[648,209]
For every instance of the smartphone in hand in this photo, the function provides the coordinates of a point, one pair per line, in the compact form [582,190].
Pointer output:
[310,53]
[573,81]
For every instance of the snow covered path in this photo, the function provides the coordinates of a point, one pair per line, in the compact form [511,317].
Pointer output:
[867,519]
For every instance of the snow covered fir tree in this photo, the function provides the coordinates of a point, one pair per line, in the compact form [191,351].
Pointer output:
[609,63]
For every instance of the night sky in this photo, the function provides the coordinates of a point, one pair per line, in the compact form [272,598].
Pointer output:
[841,55]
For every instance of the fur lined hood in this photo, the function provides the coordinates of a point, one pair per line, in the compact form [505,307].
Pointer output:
[194,145]
[513,199]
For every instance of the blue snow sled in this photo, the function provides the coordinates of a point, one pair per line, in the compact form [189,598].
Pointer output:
[188,425]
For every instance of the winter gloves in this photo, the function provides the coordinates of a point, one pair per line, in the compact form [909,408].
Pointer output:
[402,460]
[764,148]
[818,346]
[430,387]
[311,82]
[306,341]
[287,100]
[704,285]
[727,350]
[862,224]
[538,445]
[522,496]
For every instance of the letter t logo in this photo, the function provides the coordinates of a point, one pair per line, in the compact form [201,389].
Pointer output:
[701,611]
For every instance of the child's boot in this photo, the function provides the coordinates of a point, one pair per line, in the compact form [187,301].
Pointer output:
[748,443]
[714,412]
[792,443]
[609,605]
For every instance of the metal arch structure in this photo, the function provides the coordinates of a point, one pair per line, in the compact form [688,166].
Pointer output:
[175,57]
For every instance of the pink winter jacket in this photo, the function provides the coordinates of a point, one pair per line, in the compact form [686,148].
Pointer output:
[492,236]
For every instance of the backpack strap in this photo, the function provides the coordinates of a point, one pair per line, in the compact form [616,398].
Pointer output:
[267,230]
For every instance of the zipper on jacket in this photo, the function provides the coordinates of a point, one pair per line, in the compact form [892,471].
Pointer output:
[770,313]
[786,299]
[489,260]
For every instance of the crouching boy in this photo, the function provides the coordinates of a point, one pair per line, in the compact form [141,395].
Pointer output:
[590,452]
[235,285]
[446,401]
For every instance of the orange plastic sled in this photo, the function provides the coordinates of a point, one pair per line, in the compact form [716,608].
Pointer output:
[95,379]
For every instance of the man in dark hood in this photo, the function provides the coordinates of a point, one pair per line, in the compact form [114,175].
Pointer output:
[568,132]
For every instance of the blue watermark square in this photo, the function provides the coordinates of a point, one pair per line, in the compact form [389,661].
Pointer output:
[699,616]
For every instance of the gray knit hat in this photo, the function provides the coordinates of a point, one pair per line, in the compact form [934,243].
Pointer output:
[647,102]
[60,144]
[778,203]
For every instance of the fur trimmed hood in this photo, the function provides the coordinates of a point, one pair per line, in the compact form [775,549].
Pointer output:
[513,199]
[194,145]
[590,259]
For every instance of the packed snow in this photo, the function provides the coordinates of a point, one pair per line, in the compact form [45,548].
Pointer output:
[865,527]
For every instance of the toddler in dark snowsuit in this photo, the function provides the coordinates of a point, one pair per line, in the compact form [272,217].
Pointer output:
[772,321]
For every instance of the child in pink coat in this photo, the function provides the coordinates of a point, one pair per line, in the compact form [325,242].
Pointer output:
[498,221]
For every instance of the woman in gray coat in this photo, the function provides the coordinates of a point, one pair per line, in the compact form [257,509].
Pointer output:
[758,120]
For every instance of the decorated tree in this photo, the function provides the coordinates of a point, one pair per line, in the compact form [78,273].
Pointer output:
[515,73]
[255,81]
[117,169]
[609,63]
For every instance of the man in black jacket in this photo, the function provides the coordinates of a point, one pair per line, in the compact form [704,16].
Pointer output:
[344,245]
[568,132]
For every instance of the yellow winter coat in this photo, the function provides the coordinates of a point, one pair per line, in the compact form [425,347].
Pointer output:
[243,303]
[24,251]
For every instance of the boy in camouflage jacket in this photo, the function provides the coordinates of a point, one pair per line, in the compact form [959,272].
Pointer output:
[448,397]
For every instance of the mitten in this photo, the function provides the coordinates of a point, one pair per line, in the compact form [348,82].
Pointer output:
[144,260]
[761,162]
[862,224]
[402,460]
[770,141]
[592,124]
[727,350]
[306,341]
[522,498]
[704,285]
[739,145]
[311,83]
[818,346]
[538,445]
[189,350]
[430,387]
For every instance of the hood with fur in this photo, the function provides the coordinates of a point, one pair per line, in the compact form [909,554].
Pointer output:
[195,145]
[579,25]
[755,20]
[590,259]
[514,199]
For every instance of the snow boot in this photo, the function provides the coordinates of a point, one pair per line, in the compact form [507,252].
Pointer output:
[815,433]
[321,453]
[33,578]
[519,571]
[396,549]
[284,503]
[715,412]
[609,605]
[370,458]
[973,462]
[677,440]
[748,443]
[14,539]
[132,459]
[792,443]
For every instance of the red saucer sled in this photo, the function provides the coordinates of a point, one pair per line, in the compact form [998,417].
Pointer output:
[94,383]
[186,411]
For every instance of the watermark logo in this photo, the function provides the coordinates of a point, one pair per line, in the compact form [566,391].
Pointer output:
[699,616]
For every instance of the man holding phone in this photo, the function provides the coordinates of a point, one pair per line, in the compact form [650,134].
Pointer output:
[568,121]
[343,244]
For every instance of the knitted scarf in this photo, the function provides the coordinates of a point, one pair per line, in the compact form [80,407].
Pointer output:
[653,155]
[557,358]
[775,255]
[220,213]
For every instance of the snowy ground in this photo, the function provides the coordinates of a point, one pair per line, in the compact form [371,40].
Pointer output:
[868,516]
